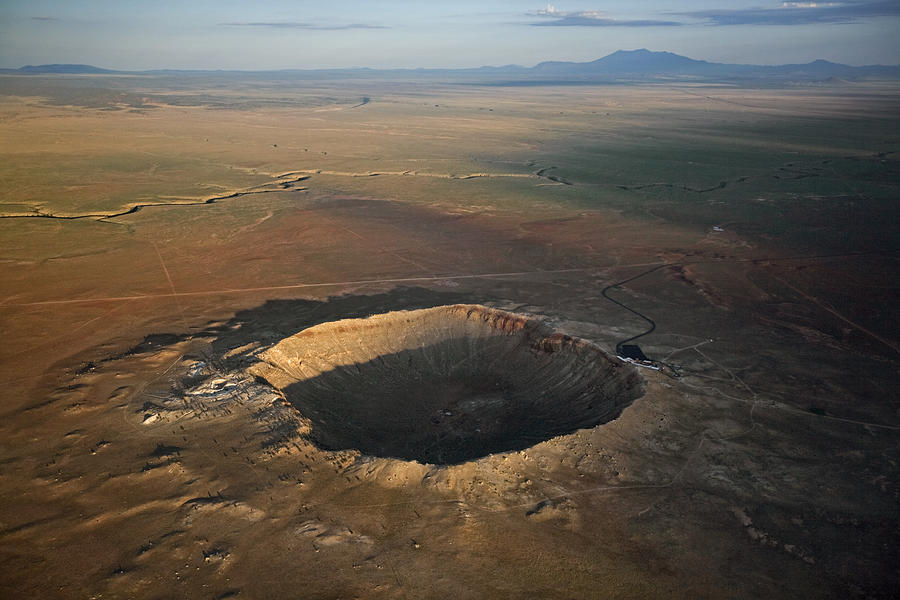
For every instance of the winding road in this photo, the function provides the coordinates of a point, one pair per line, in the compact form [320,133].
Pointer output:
[652,323]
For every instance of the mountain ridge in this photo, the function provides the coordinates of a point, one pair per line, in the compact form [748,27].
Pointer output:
[640,63]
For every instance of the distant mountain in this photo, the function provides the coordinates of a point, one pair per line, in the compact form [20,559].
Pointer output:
[66,69]
[622,65]
[629,61]
[642,64]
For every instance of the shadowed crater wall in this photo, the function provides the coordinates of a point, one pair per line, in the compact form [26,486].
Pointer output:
[445,385]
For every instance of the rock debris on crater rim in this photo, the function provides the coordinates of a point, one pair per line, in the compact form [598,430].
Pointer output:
[445,385]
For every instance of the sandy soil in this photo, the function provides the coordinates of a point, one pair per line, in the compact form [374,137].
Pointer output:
[140,458]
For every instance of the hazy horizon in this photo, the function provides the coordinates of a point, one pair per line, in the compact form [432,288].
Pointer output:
[360,67]
[278,34]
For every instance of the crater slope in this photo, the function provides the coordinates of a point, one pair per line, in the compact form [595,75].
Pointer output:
[445,385]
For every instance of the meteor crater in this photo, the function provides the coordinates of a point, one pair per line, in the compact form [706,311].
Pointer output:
[445,385]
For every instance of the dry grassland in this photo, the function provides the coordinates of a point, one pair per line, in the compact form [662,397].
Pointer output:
[158,234]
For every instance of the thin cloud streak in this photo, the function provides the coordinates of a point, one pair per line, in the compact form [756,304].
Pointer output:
[591,18]
[785,13]
[800,13]
[583,21]
[305,26]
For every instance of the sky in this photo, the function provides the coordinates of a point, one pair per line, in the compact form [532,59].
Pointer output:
[312,34]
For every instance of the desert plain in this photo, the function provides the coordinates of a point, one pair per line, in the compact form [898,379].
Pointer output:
[161,235]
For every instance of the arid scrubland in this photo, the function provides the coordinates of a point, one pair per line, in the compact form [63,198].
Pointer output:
[160,234]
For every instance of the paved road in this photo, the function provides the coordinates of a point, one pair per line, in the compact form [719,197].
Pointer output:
[606,295]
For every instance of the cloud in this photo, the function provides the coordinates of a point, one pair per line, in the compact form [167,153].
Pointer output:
[580,20]
[305,26]
[782,13]
[800,13]
[590,18]
[44,19]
